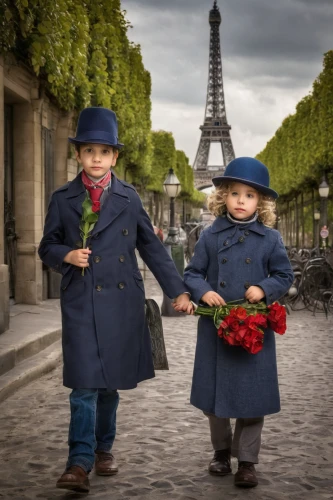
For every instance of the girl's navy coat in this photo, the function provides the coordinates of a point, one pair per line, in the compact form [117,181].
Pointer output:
[227,381]
[106,341]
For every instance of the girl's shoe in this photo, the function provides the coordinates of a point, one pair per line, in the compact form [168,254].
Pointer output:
[220,463]
[246,477]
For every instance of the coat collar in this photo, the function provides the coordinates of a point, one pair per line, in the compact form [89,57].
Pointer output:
[114,204]
[221,223]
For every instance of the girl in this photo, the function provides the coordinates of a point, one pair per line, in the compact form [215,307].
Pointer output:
[239,256]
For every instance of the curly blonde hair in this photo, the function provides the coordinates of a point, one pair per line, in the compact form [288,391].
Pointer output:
[216,203]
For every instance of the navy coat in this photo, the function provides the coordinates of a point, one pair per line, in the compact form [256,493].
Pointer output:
[228,258]
[106,341]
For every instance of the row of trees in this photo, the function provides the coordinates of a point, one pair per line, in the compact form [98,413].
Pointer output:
[81,53]
[299,155]
[301,151]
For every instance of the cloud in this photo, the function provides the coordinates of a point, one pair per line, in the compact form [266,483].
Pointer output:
[272,52]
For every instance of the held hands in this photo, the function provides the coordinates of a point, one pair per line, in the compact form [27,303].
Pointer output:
[213,299]
[78,257]
[183,304]
[254,294]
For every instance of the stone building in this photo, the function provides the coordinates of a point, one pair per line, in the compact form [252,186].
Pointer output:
[34,160]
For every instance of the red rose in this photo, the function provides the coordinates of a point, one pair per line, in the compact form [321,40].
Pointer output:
[253,341]
[254,321]
[96,206]
[277,318]
[239,313]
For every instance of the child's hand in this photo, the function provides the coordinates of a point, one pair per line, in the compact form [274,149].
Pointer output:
[254,294]
[182,303]
[213,299]
[78,257]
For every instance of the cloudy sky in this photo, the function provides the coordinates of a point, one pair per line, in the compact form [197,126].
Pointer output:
[272,51]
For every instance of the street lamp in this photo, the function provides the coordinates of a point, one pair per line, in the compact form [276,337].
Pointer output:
[172,188]
[316,216]
[323,193]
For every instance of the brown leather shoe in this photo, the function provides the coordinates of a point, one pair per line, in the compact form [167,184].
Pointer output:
[220,464]
[75,479]
[246,477]
[105,464]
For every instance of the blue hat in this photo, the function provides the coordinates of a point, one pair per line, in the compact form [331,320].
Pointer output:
[97,126]
[247,171]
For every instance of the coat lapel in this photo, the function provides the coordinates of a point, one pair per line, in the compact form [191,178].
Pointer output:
[116,202]
[76,194]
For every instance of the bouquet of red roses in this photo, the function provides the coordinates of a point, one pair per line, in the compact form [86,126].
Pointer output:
[242,324]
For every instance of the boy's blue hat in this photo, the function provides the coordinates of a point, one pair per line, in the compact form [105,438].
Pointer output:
[97,126]
[247,171]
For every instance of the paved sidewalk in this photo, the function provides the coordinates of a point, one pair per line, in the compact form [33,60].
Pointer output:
[162,444]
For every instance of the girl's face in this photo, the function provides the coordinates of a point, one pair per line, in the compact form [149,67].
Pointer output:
[242,200]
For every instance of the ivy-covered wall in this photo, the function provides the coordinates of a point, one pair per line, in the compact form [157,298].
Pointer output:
[82,55]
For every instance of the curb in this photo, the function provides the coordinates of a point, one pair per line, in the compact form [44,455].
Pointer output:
[30,369]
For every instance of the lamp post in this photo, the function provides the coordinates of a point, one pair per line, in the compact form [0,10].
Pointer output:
[172,188]
[323,193]
[316,216]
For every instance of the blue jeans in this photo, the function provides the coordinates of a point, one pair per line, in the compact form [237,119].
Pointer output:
[92,426]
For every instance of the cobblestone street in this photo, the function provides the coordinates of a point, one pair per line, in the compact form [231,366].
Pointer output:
[163,446]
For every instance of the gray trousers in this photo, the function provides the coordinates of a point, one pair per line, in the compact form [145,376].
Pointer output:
[246,441]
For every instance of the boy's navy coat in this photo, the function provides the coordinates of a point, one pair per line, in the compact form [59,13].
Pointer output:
[228,381]
[106,341]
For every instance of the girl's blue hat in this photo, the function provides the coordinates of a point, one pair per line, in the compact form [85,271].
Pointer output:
[97,126]
[247,171]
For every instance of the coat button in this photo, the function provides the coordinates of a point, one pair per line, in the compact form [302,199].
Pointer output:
[78,244]
[63,288]
[247,285]
[248,260]
[97,259]
[241,239]
[224,261]
[125,232]
[246,233]
[223,284]
[96,236]
[122,258]
[99,288]
[121,286]
[226,243]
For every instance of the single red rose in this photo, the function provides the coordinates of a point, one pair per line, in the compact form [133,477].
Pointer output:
[96,206]
[253,341]
[239,313]
[241,334]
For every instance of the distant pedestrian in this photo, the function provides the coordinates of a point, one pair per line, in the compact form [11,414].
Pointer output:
[239,256]
[105,337]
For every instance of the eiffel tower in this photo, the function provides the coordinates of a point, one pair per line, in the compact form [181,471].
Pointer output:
[215,127]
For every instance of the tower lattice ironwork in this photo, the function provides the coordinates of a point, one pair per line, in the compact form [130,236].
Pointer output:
[215,127]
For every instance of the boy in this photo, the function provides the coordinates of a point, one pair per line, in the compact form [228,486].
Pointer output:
[106,342]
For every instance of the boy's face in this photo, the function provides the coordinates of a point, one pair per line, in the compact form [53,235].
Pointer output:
[242,200]
[96,159]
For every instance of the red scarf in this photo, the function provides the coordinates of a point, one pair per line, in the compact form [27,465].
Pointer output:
[95,189]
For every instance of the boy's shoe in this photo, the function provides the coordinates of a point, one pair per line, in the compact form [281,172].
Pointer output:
[246,477]
[220,463]
[74,478]
[105,464]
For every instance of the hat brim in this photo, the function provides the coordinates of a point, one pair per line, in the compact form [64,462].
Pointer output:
[262,189]
[74,140]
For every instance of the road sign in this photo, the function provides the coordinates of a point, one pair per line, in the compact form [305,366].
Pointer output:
[324,232]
